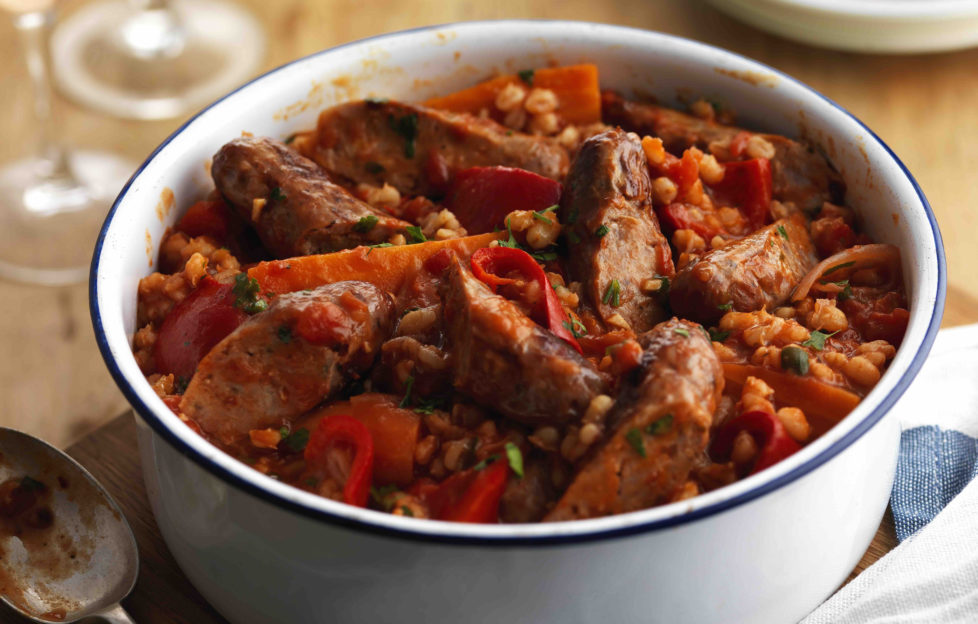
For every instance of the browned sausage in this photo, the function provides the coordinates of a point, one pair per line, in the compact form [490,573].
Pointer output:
[298,211]
[502,359]
[266,373]
[759,270]
[798,173]
[417,149]
[615,237]
[658,428]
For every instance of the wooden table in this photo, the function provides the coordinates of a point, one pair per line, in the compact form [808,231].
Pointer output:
[52,380]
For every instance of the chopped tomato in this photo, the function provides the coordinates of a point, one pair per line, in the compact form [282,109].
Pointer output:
[747,185]
[323,323]
[207,218]
[481,197]
[680,216]
[469,496]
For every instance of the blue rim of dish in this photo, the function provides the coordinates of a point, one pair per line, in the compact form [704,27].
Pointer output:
[485,540]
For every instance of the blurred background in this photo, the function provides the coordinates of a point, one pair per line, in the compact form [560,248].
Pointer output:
[52,380]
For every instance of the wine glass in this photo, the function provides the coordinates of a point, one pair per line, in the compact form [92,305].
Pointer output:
[155,59]
[52,203]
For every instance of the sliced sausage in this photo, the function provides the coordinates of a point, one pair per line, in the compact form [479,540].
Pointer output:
[658,428]
[284,361]
[527,499]
[502,359]
[798,173]
[417,149]
[761,269]
[615,237]
[291,202]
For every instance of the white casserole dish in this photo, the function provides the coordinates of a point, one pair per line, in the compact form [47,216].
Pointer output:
[766,549]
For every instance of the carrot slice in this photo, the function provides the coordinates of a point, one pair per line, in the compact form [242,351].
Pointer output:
[576,87]
[824,405]
[384,267]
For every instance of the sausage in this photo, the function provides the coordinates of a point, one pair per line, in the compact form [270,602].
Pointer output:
[298,211]
[608,186]
[527,499]
[284,361]
[659,427]
[798,173]
[761,269]
[504,360]
[418,149]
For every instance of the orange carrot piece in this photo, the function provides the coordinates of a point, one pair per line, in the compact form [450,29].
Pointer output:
[385,267]
[824,404]
[576,87]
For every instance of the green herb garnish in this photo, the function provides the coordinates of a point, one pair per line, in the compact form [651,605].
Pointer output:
[34,485]
[575,327]
[180,384]
[408,385]
[782,232]
[634,437]
[612,294]
[511,242]
[290,138]
[365,224]
[407,127]
[277,194]
[405,510]
[660,426]
[601,231]
[526,75]
[839,266]
[380,495]
[296,441]
[515,458]
[817,340]
[485,462]
[716,335]
[573,237]
[245,291]
[415,235]
[284,334]
[429,405]
[794,359]
[682,332]
[725,306]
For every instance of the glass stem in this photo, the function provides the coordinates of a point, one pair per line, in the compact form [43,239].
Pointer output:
[154,31]
[35,30]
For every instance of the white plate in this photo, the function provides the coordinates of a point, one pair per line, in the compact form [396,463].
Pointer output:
[881,26]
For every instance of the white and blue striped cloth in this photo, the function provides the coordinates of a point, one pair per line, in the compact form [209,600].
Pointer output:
[932,576]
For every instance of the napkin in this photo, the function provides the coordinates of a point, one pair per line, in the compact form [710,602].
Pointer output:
[932,576]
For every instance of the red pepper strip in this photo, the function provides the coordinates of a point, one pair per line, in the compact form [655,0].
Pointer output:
[747,185]
[194,326]
[677,216]
[772,438]
[490,263]
[481,197]
[337,429]
[469,496]
[207,218]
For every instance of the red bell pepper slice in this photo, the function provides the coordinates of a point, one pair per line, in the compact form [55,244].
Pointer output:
[469,496]
[194,326]
[772,438]
[207,218]
[340,429]
[492,264]
[678,217]
[481,197]
[747,185]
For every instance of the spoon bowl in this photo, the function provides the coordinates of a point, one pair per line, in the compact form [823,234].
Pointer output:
[66,550]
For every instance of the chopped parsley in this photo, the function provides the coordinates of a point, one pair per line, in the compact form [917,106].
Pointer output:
[408,386]
[34,485]
[485,462]
[511,241]
[725,306]
[782,232]
[660,426]
[296,441]
[601,231]
[180,384]
[407,127]
[380,495]
[526,75]
[515,458]
[612,294]
[405,510]
[429,405]
[839,266]
[846,290]
[245,291]
[664,284]
[277,194]
[634,437]
[573,237]
[284,334]
[372,247]
[575,327]
[365,224]
[794,359]
[817,340]
[290,138]
[415,235]
[373,167]
[682,332]
[716,335]
[544,256]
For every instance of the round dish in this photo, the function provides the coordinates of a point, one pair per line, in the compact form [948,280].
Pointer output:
[905,27]
[796,529]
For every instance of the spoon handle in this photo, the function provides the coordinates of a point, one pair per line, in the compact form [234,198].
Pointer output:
[115,615]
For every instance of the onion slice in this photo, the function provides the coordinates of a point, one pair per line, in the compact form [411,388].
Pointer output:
[842,265]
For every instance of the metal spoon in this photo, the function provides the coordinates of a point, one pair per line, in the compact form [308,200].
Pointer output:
[66,550]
